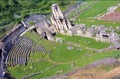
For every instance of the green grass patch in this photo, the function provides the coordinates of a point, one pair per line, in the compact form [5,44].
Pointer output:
[49,45]
[37,55]
[84,41]
[97,56]
[93,21]
[98,8]
[18,72]
[62,53]
[54,71]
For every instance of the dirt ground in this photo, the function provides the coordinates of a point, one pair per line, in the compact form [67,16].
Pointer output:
[95,73]
[111,16]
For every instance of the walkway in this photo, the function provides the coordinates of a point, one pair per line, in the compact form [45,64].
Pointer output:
[32,27]
[1,69]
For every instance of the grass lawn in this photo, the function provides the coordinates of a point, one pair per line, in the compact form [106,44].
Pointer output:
[99,7]
[92,21]
[18,72]
[37,55]
[91,57]
[84,41]
[62,53]
[54,71]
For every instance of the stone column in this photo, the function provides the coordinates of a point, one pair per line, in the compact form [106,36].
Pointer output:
[60,12]
[61,23]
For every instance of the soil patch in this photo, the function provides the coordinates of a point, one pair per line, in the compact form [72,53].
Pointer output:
[111,16]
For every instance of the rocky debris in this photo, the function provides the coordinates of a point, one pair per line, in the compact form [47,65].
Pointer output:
[42,25]
[70,47]
[106,61]
[81,29]
[114,37]
[116,77]
[90,31]
[32,74]
[59,40]
[116,46]
[118,28]
[98,32]
[101,32]
[59,71]
[111,9]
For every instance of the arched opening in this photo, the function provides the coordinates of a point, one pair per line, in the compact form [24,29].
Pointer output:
[118,48]
[105,35]
[54,33]
[45,35]
[0,53]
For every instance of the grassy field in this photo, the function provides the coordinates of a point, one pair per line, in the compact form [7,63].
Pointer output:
[100,7]
[84,41]
[60,59]
[88,17]
[61,53]
[63,65]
